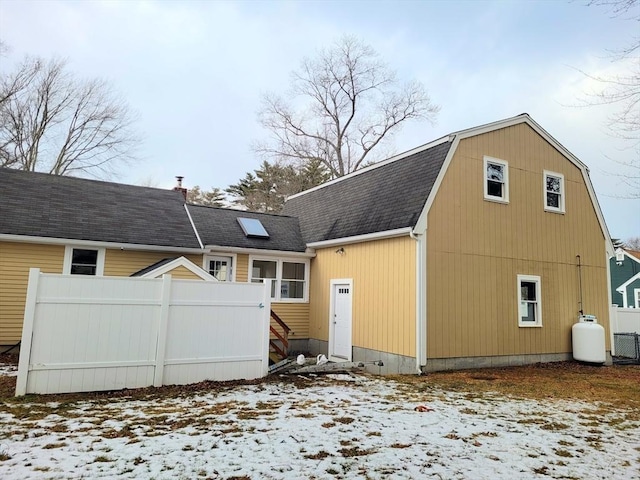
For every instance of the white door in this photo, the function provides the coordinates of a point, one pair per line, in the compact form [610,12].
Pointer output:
[340,321]
[220,267]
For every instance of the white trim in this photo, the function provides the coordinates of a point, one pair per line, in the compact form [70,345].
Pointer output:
[399,232]
[210,256]
[68,255]
[179,262]
[537,280]
[95,244]
[257,251]
[332,283]
[421,301]
[278,279]
[622,289]
[632,257]
[636,297]
[547,208]
[193,225]
[486,160]
[382,163]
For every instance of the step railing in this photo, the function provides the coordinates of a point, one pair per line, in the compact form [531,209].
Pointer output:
[282,348]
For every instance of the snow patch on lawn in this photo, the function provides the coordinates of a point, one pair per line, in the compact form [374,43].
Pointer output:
[335,426]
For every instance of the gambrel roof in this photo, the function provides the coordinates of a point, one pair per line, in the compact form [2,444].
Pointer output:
[386,196]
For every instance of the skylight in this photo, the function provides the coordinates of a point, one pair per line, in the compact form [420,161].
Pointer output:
[252,227]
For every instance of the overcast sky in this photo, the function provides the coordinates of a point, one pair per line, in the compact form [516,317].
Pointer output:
[194,71]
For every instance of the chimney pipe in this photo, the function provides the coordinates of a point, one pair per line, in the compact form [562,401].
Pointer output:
[179,188]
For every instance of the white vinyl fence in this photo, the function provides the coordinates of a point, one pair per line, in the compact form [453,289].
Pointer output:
[85,333]
[625,320]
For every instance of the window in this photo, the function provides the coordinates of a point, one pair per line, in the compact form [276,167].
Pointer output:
[288,278]
[553,192]
[529,303]
[220,267]
[496,180]
[636,296]
[83,261]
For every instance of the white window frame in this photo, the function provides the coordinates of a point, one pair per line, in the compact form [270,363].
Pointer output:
[505,190]
[548,208]
[278,279]
[535,279]
[216,255]
[636,297]
[68,256]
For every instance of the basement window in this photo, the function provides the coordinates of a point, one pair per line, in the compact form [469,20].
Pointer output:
[529,303]
[83,261]
[496,180]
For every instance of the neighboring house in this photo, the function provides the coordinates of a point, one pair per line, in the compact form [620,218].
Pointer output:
[461,253]
[625,278]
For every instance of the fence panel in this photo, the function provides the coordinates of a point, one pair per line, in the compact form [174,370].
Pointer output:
[106,333]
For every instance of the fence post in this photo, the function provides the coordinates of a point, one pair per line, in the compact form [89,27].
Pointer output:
[266,319]
[613,326]
[27,332]
[161,344]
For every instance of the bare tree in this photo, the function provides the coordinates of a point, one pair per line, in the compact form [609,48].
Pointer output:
[52,122]
[352,103]
[623,91]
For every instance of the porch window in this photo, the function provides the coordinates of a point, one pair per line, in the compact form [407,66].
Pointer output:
[496,180]
[221,268]
[83,261]
[288,278]
[553,192]
[529,303]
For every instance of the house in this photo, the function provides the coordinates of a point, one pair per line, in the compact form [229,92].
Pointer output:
[625,278]
[477,249]
[78,226]
[463,252]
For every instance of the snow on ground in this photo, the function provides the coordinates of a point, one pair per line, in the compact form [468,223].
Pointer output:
[323,428]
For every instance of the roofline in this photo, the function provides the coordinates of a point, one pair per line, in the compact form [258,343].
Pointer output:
[630,255]
[509,122]
[623,286]
[179,262]
[399,232]
[209,248]
[382,163]
[92,243]
[193,225]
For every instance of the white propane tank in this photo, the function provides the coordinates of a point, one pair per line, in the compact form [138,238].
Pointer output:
[588,340]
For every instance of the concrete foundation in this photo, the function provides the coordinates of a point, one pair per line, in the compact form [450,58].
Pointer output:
[463,363]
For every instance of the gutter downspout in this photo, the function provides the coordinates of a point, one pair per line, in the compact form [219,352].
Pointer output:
[421,312]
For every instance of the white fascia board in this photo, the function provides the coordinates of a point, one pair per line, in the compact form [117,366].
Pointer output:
[630,256]
[375,165]
[193,225]
[624,286]
[92,243]
[367,237]
[421,224]
[212,249]
[180,262]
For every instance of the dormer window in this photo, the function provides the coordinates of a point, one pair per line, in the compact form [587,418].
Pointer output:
[496,180]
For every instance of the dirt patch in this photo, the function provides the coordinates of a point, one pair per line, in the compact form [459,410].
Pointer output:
[618,384]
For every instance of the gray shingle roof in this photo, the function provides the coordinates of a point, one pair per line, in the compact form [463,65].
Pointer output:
[41,205]
[219,226]
[385,197]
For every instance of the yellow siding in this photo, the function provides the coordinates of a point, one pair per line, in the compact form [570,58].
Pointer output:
[296,316]
[476,249]
[122,263]
[242,268]
[383,274]
[15,261]
[184,273]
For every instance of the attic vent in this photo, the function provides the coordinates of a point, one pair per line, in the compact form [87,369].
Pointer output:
[252,227]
